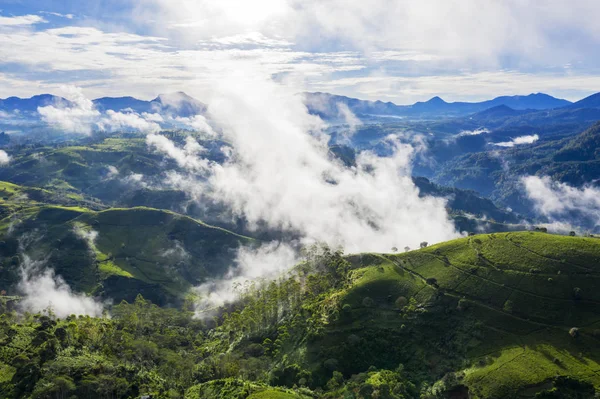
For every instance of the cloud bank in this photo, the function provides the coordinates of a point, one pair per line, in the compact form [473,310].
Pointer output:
[519,141]
[475,132]
[83,117]
[280,174]
[42,290]
[4,157]
[267,262]
[562,203]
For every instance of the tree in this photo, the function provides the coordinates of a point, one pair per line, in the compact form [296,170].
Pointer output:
[574,332]
[368,302]
[406,249]
[394,249]
[572,234]
[424,244]
[401,302]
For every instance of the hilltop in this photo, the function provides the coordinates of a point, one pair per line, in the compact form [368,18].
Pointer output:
[477,315]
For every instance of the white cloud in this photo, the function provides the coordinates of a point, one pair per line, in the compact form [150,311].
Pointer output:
[135,180]
[42,289]
[475,132]
[112,172]
[198,123]
[56,14]
[349,118]
[267,262]
[83,117]
[4,157]
[519,140]
[21,20]
[280,174]
[88,235]
[560,202]
[77,119]
[115,121]
[187,158]
[405,51]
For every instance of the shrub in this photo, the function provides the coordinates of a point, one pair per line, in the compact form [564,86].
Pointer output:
[255,350]
[574,332]
[401,302]
[431,281]
[368,302]
[331,364]
[508,306]
[353,339]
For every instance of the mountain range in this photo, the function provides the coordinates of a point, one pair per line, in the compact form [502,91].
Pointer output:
[177,104]
[325,105]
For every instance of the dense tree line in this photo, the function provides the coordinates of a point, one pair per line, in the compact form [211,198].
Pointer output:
[143,349]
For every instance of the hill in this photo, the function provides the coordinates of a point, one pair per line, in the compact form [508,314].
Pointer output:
[117,253]
[31,104]
[178,104]
[489,316]
[494,316]
[592,101]
[495,174]
[497,112]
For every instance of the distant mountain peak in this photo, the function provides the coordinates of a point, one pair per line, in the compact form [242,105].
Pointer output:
[436,100]
[592,101]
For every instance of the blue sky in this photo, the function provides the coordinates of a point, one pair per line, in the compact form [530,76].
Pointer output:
[400,51]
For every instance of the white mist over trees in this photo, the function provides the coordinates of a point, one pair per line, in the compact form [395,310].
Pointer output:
[42,289]
[280,173]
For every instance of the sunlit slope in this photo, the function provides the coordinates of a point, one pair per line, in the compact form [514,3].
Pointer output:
[498,310]
[119,252]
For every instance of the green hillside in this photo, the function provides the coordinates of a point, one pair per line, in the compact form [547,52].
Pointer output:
[118,253]
[507,315]
[491,314]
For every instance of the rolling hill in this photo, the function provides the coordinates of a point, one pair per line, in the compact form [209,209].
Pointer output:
[490,316]
[116,254]
[508,315]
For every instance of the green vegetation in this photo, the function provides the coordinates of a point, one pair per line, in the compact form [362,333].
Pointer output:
[490,316]
[476,316]
[574,160]
[119,253]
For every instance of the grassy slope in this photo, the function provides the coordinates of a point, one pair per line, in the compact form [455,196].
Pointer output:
[508,335]
[139,250]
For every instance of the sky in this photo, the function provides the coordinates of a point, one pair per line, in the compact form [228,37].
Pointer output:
[399,51]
